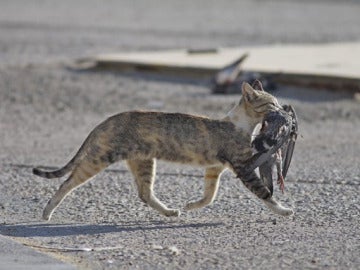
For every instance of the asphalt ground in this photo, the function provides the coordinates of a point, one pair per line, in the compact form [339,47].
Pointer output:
[47,111]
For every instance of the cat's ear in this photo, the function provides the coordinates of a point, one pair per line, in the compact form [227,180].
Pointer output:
[257,85]
[248,92]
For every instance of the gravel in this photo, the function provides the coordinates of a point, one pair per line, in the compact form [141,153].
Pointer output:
[47,110]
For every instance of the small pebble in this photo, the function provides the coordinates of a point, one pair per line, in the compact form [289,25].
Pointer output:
[174,250]
[157,247]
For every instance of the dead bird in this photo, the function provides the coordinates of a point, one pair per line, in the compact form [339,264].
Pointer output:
[274,146]
[279,126]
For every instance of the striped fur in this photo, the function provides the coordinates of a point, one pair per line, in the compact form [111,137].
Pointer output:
[141,138]
[54,174]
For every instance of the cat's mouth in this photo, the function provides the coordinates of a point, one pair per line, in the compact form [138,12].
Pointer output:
[265,108]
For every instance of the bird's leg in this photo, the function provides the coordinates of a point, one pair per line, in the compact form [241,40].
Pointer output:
[279,166]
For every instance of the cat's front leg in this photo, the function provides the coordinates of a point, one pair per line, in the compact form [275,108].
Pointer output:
[254,184]
[257,186]
[212,177]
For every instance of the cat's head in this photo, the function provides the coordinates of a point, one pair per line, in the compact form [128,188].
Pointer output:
[256,101]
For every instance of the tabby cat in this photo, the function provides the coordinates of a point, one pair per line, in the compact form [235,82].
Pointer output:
[141,138]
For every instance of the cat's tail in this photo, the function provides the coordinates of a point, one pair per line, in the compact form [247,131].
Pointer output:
[57,173]
[85,148]
[67,168]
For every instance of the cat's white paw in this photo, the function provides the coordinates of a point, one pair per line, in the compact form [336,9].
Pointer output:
[278,208]
[172,213]
[198,204]
[48,211]
[46,215]
[283,211]
[191,206]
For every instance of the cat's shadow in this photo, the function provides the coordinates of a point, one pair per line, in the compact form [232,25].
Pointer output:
[58,230]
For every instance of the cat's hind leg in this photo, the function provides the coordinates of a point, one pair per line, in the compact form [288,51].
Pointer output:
[144,174]
[212,178]
[81,173]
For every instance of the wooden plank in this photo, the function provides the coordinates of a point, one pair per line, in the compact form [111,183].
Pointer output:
[203,63]
[334,65]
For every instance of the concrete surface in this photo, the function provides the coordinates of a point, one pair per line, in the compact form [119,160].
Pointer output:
[47,110]
[15,256]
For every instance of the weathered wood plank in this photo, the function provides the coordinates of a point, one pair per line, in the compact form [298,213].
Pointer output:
[334,66]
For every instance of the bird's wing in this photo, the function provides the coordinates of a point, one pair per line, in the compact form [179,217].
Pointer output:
[290,145]
[277,134]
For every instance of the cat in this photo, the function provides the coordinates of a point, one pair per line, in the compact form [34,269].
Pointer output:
[141,138]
